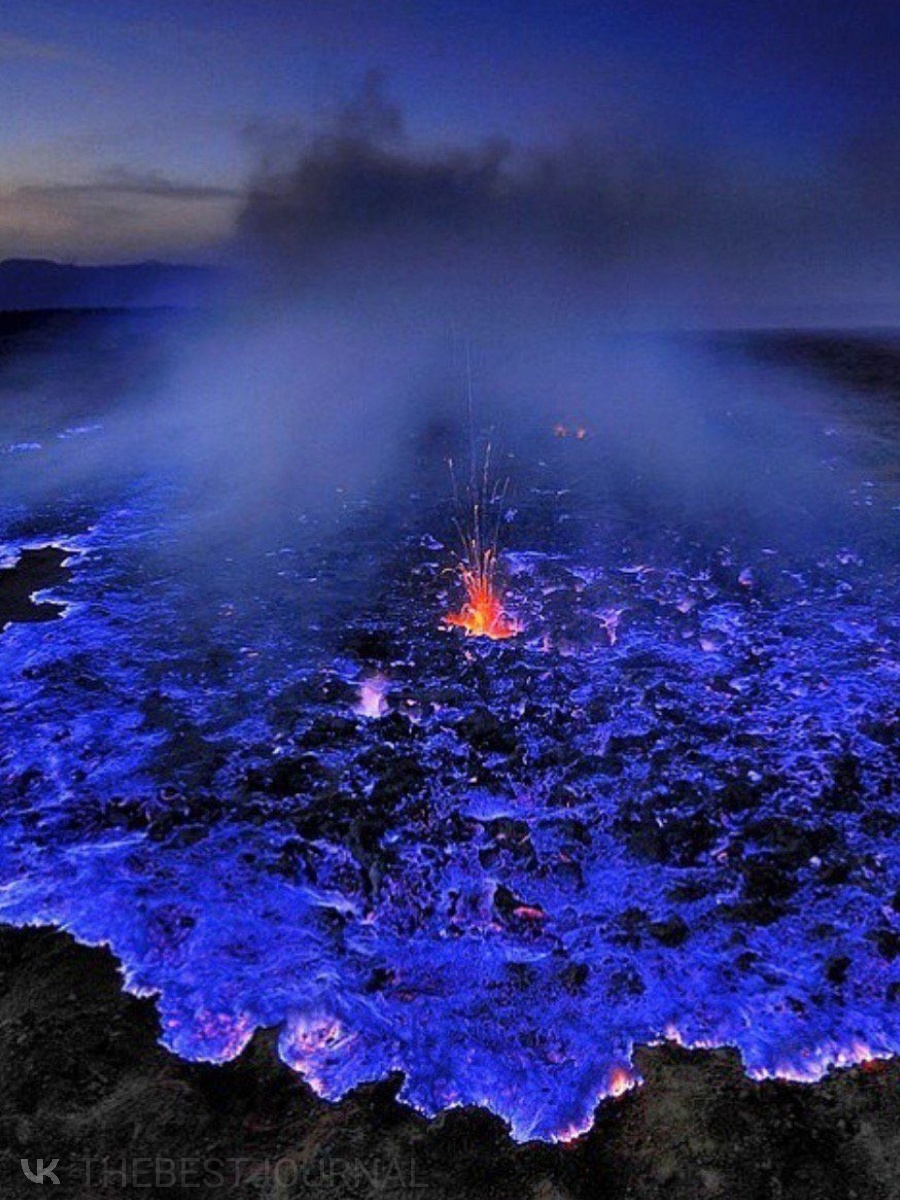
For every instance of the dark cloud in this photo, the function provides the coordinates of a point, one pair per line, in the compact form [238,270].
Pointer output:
[644,220]
[360,185]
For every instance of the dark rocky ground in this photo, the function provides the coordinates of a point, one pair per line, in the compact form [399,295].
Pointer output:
[36,570]
[83,1080]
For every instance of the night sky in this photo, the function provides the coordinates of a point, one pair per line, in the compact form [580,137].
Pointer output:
[748,150]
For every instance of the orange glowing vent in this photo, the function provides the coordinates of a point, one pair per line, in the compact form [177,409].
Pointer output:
[483,614]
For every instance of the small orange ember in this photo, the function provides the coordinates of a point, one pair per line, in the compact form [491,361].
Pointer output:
[579,432]
[483,615]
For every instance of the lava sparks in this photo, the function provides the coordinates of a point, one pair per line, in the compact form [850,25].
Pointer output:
[483,614]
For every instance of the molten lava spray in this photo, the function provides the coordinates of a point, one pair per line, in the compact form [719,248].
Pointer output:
[483,614]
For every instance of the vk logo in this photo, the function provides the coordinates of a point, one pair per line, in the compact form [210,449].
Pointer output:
[42,1172]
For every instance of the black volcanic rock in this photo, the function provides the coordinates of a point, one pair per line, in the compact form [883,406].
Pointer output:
[36,570]
[836,968]
[297,776]
[888,942]
[481,729]
[672,931]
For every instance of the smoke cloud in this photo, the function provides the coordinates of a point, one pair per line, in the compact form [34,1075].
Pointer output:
[652,228]
[369,271]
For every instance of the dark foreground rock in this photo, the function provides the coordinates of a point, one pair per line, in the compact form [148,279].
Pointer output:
[84,1081]
[35,571]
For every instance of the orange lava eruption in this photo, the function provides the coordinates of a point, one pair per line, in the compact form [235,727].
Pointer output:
[483,615]
[478,525]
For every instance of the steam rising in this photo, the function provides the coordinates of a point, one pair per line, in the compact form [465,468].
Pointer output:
[365,267]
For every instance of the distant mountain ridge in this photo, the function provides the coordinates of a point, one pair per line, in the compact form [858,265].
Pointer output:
[35,283]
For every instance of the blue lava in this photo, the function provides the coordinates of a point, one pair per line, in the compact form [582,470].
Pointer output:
[669,809]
